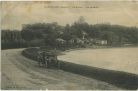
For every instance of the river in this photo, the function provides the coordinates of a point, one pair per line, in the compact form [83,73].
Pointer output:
[120,59]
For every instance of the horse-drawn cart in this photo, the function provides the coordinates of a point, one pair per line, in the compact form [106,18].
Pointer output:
[47,59]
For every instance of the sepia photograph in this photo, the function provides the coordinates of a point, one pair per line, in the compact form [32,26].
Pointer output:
[69,45]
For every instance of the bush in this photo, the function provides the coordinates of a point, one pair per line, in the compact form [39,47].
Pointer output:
[30,53]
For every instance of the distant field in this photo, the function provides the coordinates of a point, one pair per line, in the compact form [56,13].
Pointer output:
[120,59]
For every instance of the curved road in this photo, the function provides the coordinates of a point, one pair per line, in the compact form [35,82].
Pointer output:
[19,72]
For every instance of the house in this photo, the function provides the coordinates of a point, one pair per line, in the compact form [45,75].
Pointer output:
[101,42]
[76,40]
[60,40]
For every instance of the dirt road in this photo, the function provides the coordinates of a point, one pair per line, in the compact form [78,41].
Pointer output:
[19,72]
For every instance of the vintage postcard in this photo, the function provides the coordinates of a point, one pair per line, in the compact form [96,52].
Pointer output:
[69,45]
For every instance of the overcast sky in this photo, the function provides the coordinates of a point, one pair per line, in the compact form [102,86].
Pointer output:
[14,14]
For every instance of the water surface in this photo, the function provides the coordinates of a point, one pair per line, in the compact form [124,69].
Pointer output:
[121,59]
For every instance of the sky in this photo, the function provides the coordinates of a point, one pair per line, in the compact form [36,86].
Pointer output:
[15,14]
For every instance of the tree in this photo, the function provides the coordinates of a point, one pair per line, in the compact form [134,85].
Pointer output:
[81,20]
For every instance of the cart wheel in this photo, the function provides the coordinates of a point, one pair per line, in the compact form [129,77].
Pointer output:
[46,64]
[58,64]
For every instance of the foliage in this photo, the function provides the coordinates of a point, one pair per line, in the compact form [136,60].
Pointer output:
[12,39]
[47,34]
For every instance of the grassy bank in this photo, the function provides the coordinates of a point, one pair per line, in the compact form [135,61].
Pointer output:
[121,79]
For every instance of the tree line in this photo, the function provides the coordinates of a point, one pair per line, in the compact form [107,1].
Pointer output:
[55,35]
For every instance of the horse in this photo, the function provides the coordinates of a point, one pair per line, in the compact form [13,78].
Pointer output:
[41,59]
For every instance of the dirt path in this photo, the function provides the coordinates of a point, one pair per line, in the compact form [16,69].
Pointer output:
[19,72]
